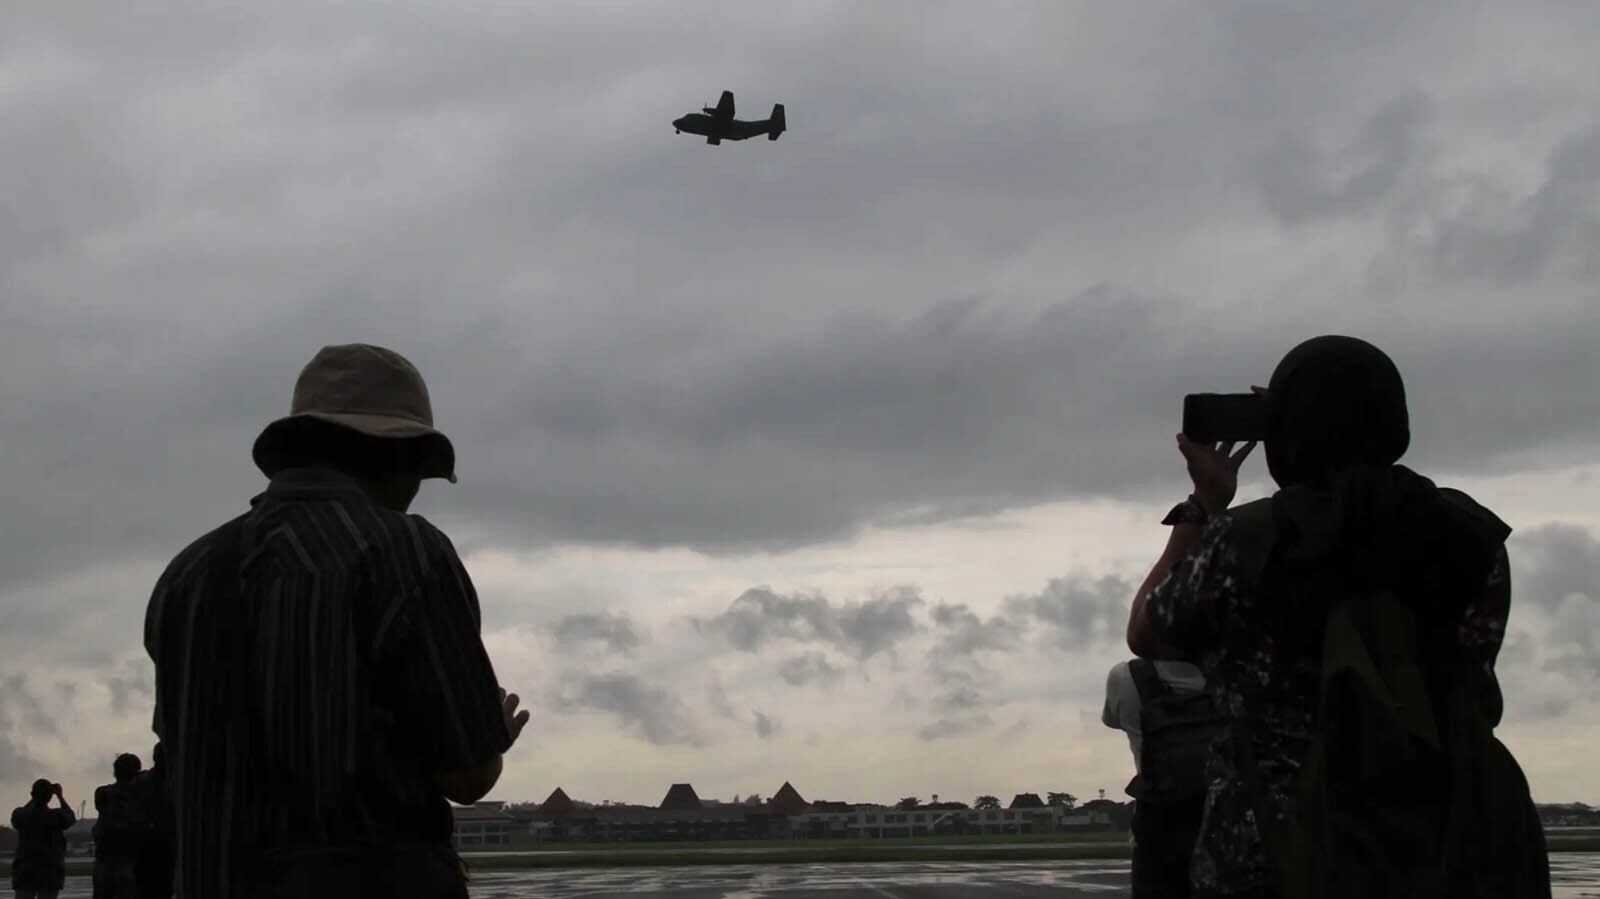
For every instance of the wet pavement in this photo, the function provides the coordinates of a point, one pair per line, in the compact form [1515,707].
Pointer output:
[1575,876]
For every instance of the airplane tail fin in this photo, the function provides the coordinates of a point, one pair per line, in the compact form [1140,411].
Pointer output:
[776,125]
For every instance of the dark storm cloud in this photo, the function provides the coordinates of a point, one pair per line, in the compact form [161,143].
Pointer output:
[640,340]
[649,712]
[615,632]
[863,629]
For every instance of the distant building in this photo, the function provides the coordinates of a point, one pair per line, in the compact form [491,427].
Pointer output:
[680,816]
[787,801]
[483,824]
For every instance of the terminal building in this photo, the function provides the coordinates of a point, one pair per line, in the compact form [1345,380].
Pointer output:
[787,815]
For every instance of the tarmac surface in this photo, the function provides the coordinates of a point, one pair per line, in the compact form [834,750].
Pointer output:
[895,880]
[1575,876]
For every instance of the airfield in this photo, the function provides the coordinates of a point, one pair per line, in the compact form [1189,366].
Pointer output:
[1575,875]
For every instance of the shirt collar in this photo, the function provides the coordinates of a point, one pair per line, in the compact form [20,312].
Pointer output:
[310,483]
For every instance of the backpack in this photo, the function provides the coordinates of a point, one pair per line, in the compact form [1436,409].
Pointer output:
[1176,734]
[1404,790]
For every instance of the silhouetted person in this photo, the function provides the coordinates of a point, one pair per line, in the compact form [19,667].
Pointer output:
[321,684]
[120,829]
[1171,722]
[153,870]
[39,865]
[1349,624]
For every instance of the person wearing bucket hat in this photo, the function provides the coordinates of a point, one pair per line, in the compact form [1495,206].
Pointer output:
[322,688]
[363,407]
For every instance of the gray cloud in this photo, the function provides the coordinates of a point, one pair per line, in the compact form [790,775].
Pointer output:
[965,633]
[1300,183]
[717,697]
[765,726]
[20,702]
[962,684]
[759,616]
[954,727]
[613,631]
[652,403]
[975,275]
[1552,562]
[1471,227]
[809,668]
[21,712]
[1548,663]
[651,713]
[1078,612]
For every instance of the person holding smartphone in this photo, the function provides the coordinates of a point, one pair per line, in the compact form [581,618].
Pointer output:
[39,864]
[1349,625]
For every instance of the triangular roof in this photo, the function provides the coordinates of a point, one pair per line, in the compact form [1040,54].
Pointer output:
[680,798]
[1027,800]
[557,804]
[787,800]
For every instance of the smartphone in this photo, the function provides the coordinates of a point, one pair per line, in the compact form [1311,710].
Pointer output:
[1221,417]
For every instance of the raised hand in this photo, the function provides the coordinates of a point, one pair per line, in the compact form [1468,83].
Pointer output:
[514,719]
[1214,468]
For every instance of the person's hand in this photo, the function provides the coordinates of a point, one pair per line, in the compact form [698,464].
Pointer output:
[1214,468]
[514,719]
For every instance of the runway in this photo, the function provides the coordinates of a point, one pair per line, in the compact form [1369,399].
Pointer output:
[1574,876]
[944,880]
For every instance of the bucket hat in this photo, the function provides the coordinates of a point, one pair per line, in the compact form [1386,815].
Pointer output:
[367,389]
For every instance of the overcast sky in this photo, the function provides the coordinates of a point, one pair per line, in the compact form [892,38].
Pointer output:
[832,460]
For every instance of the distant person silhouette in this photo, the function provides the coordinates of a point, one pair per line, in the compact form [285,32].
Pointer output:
[121,827]
[39,864]
[1349,624]
[321,684]
[153,870]
[1171,722]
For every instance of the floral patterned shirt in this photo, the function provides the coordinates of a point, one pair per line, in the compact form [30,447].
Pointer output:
[1205,609]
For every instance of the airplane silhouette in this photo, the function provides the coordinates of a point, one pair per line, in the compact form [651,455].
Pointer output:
[717,124]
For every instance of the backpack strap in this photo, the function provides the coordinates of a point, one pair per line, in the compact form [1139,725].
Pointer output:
[1147,679]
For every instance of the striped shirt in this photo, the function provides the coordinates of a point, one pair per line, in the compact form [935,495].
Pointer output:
[358,677]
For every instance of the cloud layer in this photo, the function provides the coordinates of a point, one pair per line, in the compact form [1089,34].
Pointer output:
[970,285]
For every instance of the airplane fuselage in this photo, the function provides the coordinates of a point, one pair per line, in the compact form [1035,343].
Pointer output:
[721,129]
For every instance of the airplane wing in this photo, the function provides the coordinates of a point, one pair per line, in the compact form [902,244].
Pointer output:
[725,106]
